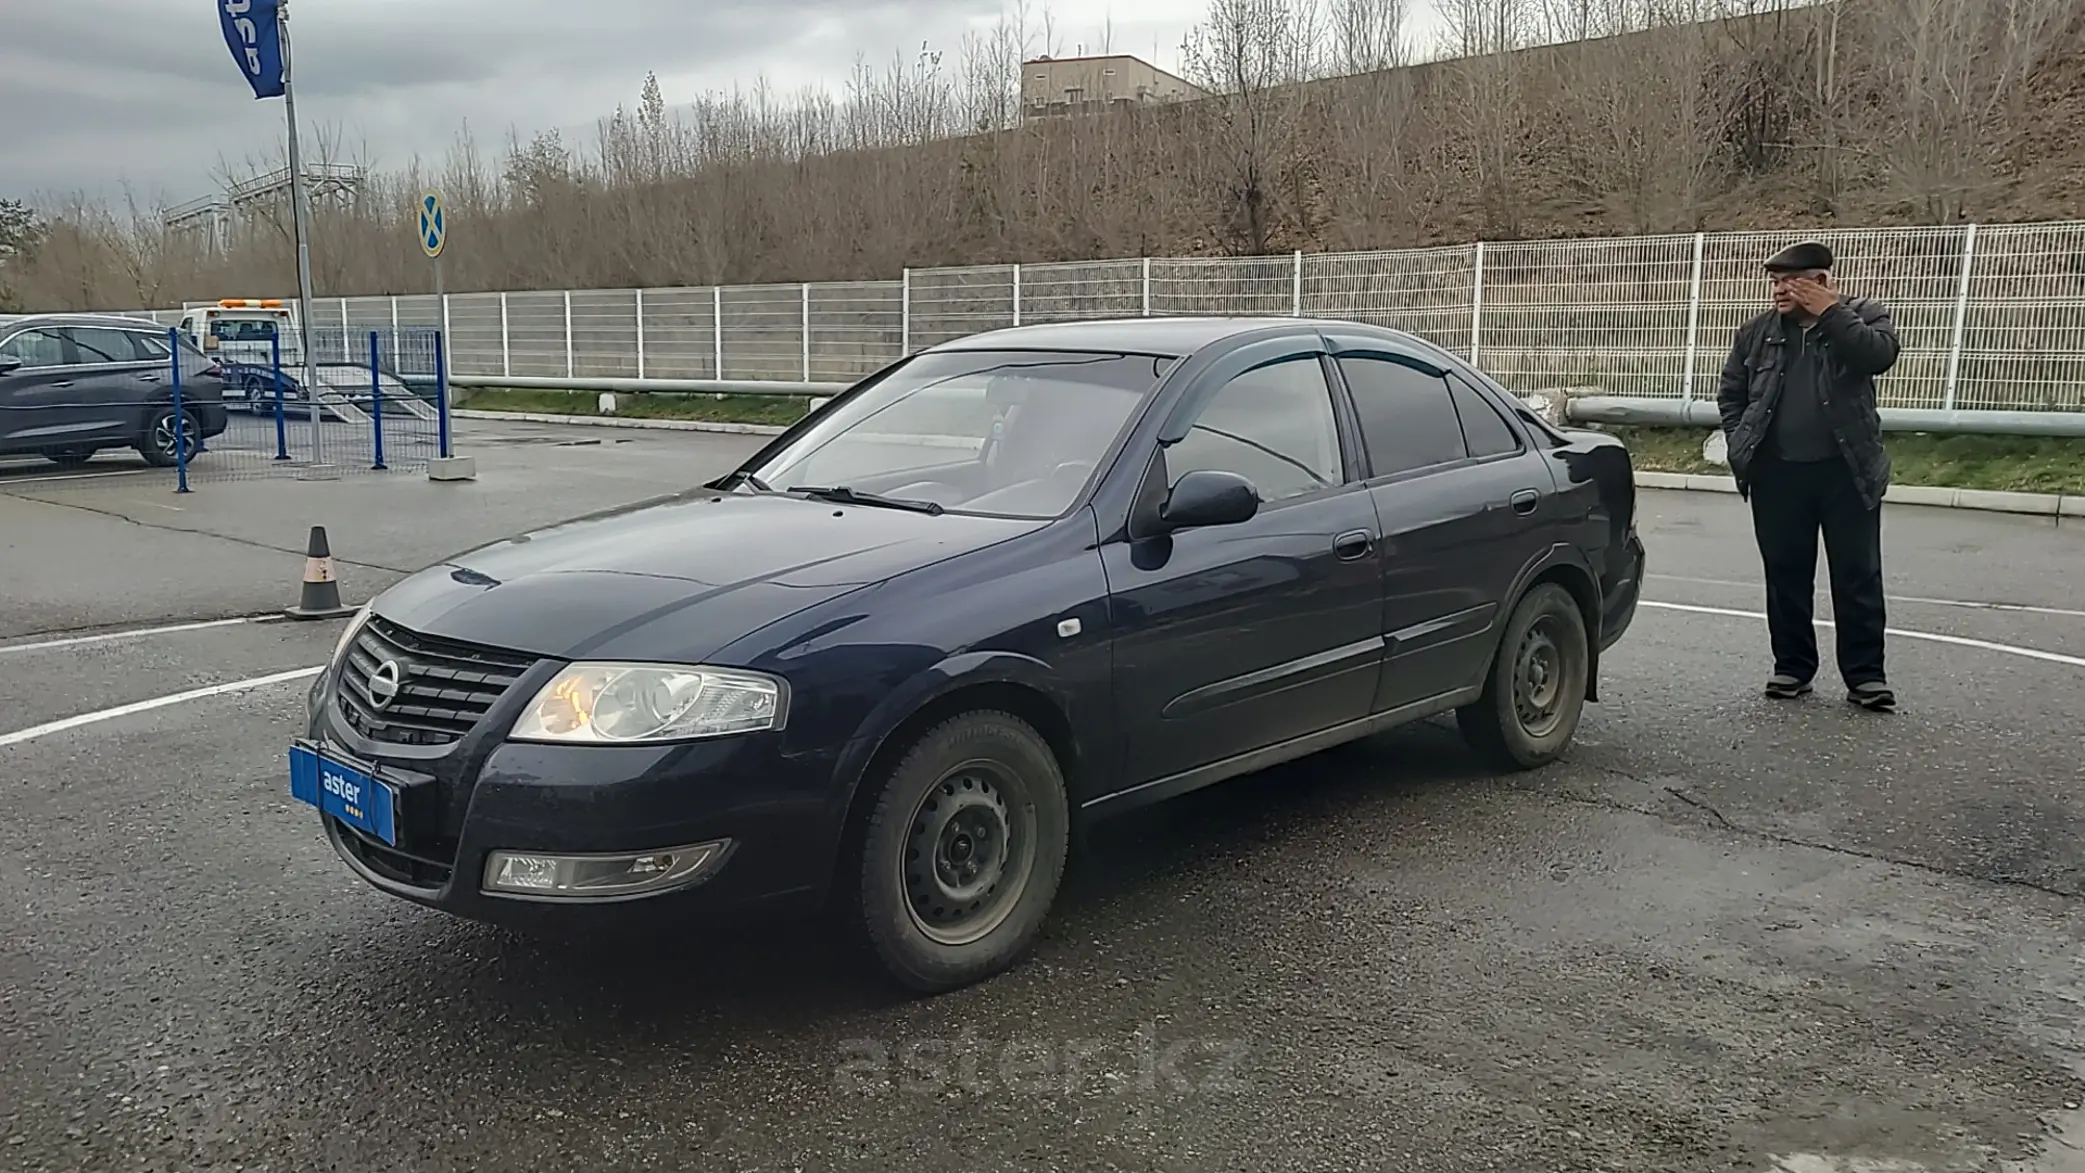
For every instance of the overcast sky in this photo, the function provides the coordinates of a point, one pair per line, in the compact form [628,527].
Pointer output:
[103,93]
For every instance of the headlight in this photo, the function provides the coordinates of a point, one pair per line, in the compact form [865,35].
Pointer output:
[616,704]
[348,634]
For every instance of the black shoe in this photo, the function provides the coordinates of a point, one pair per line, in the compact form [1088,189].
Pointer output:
[1783,687]
[1873,695]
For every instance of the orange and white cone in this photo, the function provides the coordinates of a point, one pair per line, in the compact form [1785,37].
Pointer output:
[320,597]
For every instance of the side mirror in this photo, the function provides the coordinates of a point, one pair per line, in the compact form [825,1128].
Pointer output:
[9,364]
[1206,497]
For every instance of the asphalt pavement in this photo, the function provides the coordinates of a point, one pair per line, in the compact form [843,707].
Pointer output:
[1724,934]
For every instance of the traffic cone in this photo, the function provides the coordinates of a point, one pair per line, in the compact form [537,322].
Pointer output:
[320,598]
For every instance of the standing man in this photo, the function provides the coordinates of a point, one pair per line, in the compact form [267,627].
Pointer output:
[1797,400]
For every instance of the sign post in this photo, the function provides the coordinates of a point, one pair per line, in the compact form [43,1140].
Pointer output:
[258,34]
[434,233]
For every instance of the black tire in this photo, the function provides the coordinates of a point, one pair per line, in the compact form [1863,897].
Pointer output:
[969,780]
[1535,691]
[70,457]
[157,444]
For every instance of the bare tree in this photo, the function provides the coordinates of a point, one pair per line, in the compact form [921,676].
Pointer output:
[1675,114]
[1255,57]
[1487,107]
[1954,75]
[1370,35]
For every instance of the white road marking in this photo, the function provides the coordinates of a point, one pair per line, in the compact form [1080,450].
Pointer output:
[1958,641]
[89,476]
[1969,604]
[196,694]
[158,702]
[132,633]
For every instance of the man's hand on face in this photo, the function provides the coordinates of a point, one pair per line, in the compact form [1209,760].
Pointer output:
[1813,294]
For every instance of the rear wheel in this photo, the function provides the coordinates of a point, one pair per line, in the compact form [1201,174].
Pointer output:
[962,853]
[159,445]
[1536,689]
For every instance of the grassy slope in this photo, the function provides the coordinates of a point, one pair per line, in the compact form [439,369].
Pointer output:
[2018,463]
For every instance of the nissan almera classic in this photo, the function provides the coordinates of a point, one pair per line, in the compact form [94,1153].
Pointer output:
[1005,584]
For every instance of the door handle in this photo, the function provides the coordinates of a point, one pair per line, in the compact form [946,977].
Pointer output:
[1524,502]
[1353,544]
[149,378]
[64,383]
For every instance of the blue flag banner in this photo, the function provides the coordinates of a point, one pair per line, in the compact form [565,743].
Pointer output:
[256,41]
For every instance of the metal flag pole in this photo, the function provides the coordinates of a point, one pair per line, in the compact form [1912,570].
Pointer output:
[300,215]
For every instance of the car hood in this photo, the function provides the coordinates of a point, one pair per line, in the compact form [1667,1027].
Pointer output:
[675,581]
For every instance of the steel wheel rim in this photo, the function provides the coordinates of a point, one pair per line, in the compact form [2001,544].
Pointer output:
[969,852]
[1538,679]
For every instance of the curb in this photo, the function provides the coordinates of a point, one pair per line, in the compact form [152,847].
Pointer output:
[1983,500]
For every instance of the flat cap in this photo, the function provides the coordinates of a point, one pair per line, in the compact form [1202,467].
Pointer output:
[1808,254]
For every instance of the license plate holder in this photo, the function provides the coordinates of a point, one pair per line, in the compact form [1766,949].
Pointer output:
[348,790]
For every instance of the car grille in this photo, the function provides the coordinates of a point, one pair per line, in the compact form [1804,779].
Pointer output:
[445,687]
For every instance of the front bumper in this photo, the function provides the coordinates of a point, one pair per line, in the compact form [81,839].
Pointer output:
[776,815]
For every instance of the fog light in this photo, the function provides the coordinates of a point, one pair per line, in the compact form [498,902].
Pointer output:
[596,877]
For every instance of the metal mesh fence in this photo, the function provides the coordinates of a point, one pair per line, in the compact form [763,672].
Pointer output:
[109,403]
[1424,292]
[1991,317]
[1915,271]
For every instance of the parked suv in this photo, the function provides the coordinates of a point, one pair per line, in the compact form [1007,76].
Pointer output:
[72,385]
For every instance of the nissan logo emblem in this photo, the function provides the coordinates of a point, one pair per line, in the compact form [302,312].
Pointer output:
[384,683]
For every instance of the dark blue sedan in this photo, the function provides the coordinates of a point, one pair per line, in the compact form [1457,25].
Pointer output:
[1006,584]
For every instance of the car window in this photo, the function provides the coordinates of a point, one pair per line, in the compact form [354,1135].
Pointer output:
[1484,431]
[1408,418]
[152,346]
[36,348]
[1012,433]
[1273,426]
[97,345]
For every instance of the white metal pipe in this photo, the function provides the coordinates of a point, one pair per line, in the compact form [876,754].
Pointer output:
[1693,317]
[1477,303]
[1954,350]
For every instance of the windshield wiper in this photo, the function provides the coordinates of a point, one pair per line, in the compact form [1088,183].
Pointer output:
[846,496]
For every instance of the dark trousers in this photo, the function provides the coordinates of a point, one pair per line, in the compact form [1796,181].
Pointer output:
[1791,503]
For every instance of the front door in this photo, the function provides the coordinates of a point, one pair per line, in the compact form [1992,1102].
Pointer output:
[42,401]
[1234,638]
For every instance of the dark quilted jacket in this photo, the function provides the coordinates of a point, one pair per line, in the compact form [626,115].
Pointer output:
[1860,343]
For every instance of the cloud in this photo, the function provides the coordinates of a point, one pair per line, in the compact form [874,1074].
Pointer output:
[104,94]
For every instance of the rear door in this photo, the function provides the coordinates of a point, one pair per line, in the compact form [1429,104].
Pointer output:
[1234,638]
[1459,498]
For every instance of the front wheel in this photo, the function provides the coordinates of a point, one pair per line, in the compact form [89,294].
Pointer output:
[1536,689]
[159,447]
[962,853]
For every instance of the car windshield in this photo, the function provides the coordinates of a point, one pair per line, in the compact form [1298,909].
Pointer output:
[242,329]
[1007,433]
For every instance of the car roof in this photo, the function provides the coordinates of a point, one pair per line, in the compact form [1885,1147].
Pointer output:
[114,321]
[1171,337]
